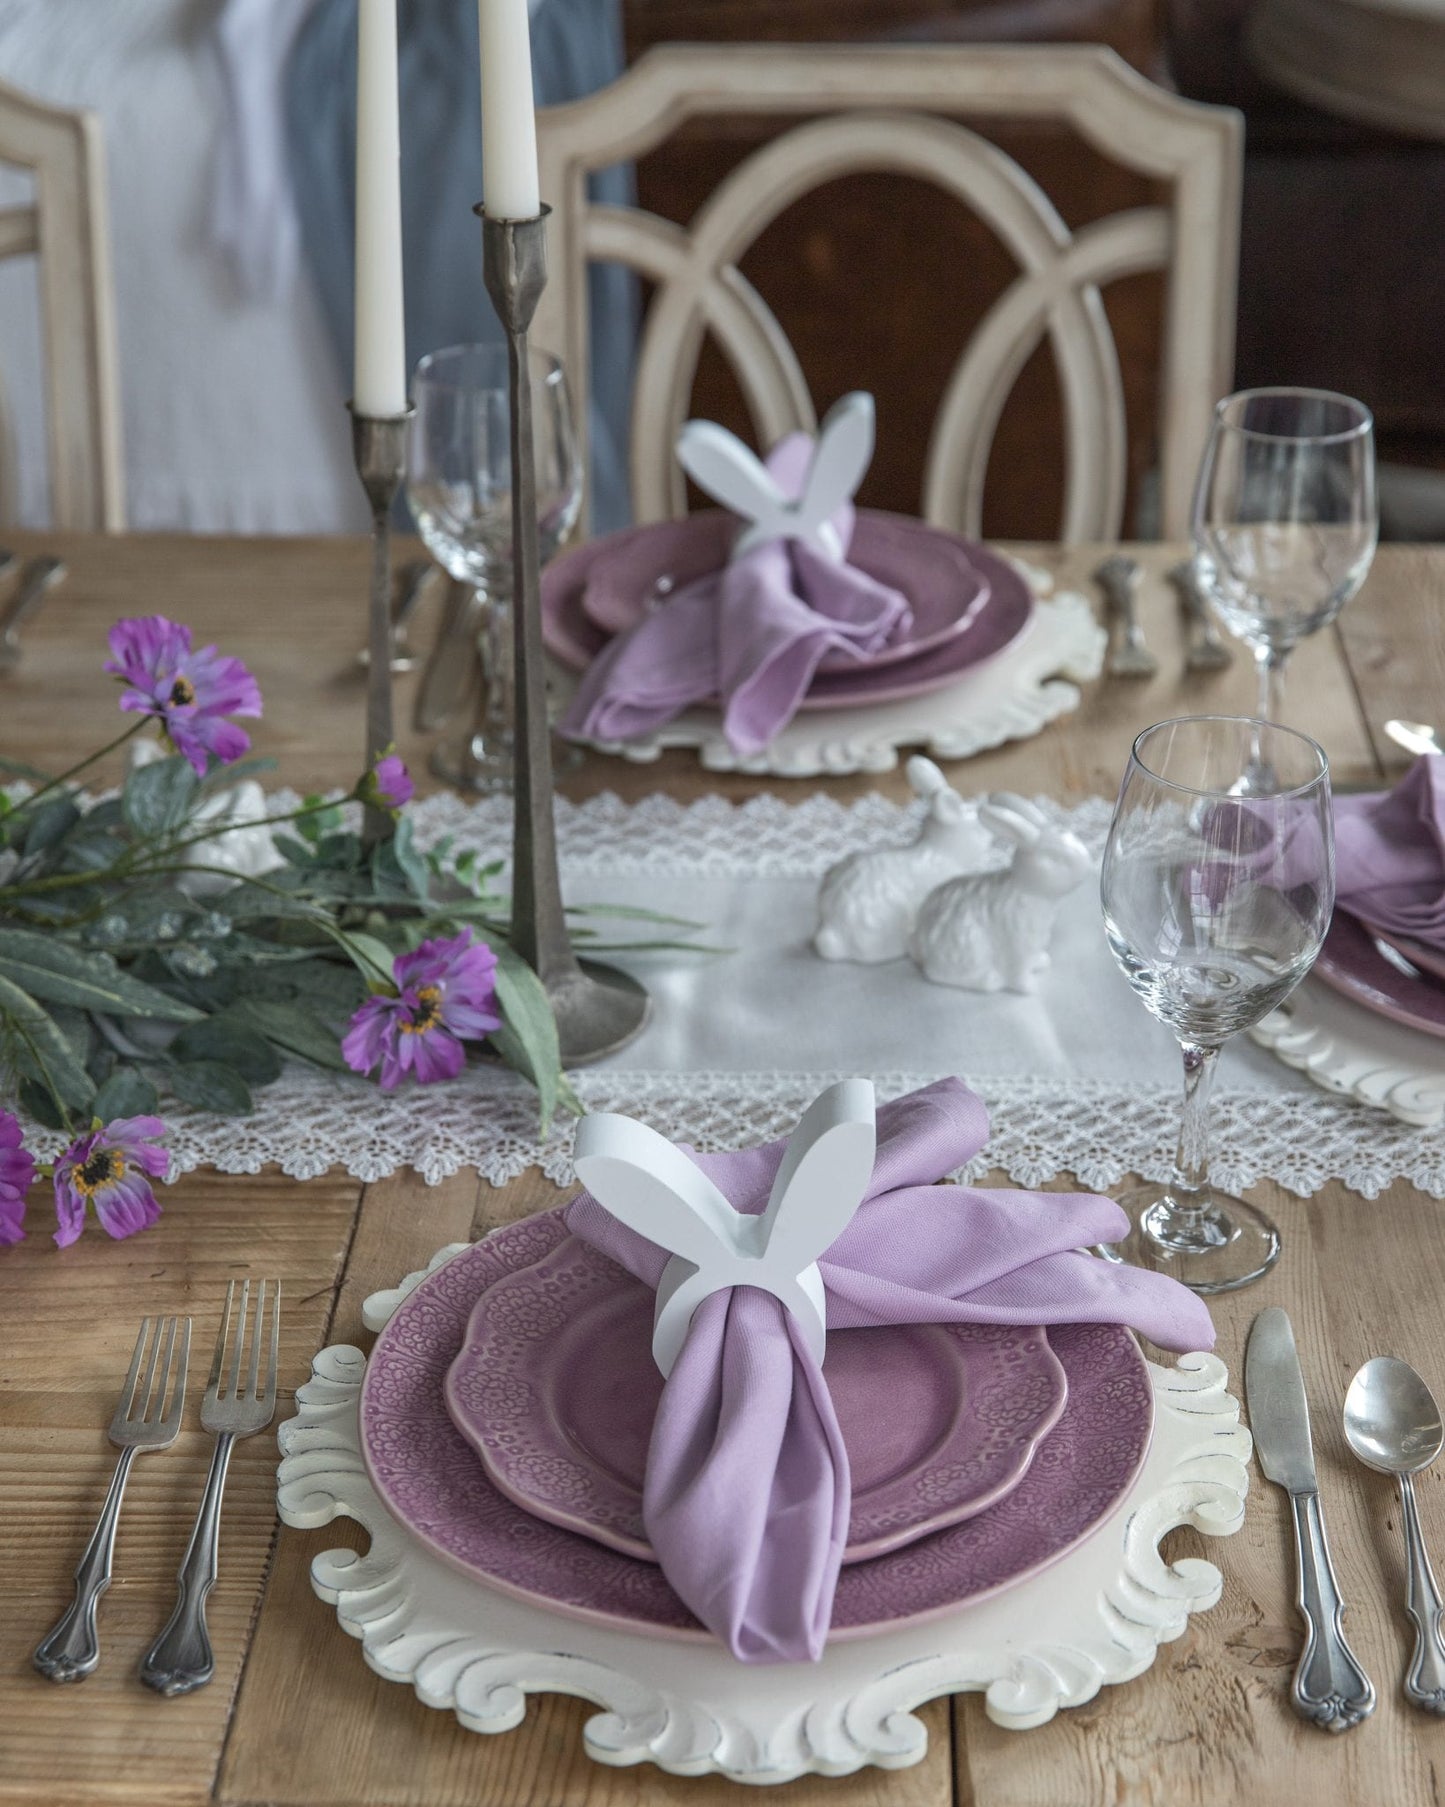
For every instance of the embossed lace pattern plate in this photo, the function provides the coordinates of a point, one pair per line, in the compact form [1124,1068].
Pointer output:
[557,1390]
[1350,963]
[431,1481]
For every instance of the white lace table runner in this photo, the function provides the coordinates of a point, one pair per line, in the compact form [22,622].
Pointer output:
[1077,1079]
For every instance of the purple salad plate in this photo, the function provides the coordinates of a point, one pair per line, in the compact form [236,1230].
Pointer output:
[637,569]
[431,1481]
[985,625]
[556,1389]
[1353,964]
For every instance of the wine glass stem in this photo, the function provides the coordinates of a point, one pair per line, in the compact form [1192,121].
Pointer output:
[1269,664]
[1189,1220]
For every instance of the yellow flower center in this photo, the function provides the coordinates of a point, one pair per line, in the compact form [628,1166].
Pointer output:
[104,1168]
[427,1013]
[183,691]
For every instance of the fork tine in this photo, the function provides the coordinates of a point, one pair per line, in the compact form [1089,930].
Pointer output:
[238,1342]
[257,1331]
[141,1405]
[273,1354]
[182,1368]
[222,1337]
[155,1403]
[122,1410]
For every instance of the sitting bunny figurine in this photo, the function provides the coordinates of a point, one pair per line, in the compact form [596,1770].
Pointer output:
[867,902]
[989,931]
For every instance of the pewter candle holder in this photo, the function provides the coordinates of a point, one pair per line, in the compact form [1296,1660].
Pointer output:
[598,1009]
[378,443]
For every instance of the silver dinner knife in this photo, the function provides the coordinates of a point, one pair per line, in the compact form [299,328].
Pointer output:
[1330,1687]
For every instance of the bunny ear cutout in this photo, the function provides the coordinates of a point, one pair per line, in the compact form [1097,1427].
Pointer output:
[642,1180]
[730,472]
[824,1177]
[840,463]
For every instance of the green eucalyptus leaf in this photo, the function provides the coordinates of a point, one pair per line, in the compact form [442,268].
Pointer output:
[126,1093]
[224,776]
[38,1049]
[290,847]
[158,797]
[528,1038]
[233,1043]
[412,865]
[38,1102]
[210,1086]
[48,826]
[54,969]
[373,958]
[292,1027]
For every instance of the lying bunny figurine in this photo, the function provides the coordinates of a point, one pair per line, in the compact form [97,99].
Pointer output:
[731,473]
[989,931]
[867,902]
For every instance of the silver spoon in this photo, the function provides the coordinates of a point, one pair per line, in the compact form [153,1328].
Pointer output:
[1414,737]
[1393,1425]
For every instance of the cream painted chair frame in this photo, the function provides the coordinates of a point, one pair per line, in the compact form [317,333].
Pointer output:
[898,108]
[66,230]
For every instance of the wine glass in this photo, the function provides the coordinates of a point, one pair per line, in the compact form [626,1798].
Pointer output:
[1285,519]
[1215,905]
[459,485]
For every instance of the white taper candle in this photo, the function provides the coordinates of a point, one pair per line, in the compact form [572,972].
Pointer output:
[509,119]
[379,379]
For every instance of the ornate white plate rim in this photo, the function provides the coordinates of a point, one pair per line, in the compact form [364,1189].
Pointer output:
[1096,1617]
[1350,1051]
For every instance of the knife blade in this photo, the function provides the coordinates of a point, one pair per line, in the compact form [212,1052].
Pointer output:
[1330,1688]
[452,670]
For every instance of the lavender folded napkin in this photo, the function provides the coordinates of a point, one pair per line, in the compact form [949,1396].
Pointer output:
[750,633]
[1390,854]
[747,1494]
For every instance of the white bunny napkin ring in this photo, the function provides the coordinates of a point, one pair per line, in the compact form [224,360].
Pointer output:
[731,473]
[642,1180]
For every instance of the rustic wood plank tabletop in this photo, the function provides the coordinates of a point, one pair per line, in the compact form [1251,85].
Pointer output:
[293,1716]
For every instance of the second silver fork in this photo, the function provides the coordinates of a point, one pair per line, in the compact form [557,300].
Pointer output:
[236,1404]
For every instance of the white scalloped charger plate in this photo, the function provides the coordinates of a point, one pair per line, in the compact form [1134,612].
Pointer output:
[1355,1053]
[1096,1617]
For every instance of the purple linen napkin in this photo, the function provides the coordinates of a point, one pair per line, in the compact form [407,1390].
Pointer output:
[751,634]
[747,1493]
[1390,854]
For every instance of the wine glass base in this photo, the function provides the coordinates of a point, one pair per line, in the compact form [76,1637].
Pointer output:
[1235,1246]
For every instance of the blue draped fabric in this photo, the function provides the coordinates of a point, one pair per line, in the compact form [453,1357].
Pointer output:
[576,48]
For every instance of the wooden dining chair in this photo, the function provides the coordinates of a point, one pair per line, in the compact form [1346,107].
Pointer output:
[65,229]
[900,109]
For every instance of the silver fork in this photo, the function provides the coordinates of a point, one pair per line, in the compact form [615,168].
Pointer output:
[1119,578]
[143,1420]
[181,1659]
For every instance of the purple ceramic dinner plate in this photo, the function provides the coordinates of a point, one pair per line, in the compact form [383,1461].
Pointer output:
[982,629]
[429,1477]
[1352,964]
[635,570]
[939,1420]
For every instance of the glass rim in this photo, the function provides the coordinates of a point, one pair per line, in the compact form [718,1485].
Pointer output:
[1281,391]
[1238,721]
[424,365]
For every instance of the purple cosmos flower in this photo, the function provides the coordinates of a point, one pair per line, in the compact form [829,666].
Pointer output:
[387,785]
[190,693]
[447,995]
[17,1170]
[111,1168]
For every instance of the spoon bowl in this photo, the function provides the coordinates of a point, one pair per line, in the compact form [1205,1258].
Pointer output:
[1392,1422]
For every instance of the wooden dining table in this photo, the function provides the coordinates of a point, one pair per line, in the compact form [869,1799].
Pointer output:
[293,1715]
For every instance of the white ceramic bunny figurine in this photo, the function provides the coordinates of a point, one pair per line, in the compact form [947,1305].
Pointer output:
[990,931]
[719,462]
[868,901]
[645,1182]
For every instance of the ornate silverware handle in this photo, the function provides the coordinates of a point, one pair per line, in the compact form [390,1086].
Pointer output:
[1425,1678]
[181,1658]
[72,1648]
[1330,1687]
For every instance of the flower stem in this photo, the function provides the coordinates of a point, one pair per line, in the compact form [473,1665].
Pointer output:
[54,784]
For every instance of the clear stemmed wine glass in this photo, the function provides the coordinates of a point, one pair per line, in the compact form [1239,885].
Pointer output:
[459,485]
[1215,905]
[1285,519]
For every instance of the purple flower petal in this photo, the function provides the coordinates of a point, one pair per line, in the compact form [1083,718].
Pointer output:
[189,692]
[127,1206]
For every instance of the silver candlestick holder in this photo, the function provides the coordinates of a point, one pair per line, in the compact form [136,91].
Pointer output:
[598,1008]
[378,443]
